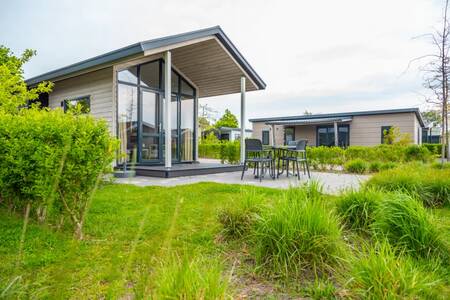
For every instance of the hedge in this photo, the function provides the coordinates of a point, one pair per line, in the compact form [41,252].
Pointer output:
[434,148]
[226,151]
[51,162]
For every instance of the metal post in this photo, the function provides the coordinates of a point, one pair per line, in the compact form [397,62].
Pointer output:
[336,134]
[273,135]
[242,119]
[167,113]
[196,127]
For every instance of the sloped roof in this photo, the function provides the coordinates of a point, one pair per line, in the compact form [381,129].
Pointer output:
[141,47]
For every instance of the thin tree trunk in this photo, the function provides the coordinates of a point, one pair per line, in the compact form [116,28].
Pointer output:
[24,230]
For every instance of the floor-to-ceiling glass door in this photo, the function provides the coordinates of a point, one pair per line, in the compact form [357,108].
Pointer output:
[140,92]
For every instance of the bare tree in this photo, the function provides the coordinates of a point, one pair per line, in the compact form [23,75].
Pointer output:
[436,72]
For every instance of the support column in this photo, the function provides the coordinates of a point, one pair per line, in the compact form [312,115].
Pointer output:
[167,106]
[242,119]
[336,134]
[273,135]
[197,136]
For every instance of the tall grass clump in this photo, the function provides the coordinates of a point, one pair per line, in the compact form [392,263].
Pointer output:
[240,214]
[298,233]
[380,273]
[429,184]
[195,278]
[357,208]
[406,224]
[358,166]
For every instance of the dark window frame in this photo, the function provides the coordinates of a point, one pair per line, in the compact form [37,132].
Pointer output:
[77,99]
[178,94]
[265,131]
[332,127]
[383,128]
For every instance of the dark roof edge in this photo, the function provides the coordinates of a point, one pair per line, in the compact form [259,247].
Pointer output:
[152,44]
[344,114]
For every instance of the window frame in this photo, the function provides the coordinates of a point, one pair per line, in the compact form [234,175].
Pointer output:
[268,136]
[383,128]
[327,127]
[77,99]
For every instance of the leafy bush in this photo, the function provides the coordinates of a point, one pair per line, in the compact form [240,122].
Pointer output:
[298,233]
[53,161]
[431,185]
[417,153]
[388,166]
[230,152]
[356,166]
[433,148]
[378,273]
[209,150]
[407,225]
[190,278]
[323,157]
[357,208]
[375,166]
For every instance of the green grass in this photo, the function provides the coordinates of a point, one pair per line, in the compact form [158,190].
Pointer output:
[216,241]
[358,166]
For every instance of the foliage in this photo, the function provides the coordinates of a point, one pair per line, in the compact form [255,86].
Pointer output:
[298,233]
[433,148]
[203,123]
[429,184]
[323,158]
[189,278]
[230,152]
[407,225]
[238,217]
[357,208]
[211,138]
[380,273]
[393,136]
[14,93]
[227,120]
[53,160]
[358,166]
[321,289]
[432,117]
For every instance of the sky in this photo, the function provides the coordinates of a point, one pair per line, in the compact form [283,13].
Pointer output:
[319,56]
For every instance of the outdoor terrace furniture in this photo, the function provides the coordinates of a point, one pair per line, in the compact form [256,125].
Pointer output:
[298,157]
[260,158]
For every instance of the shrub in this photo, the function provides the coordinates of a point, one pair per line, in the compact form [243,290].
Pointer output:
[324,157]
[297,234]
[209,150]
[431,185]
[378,273]
[388,166]
[357,208]
[358,166]
[407,225]
[375,166]
[230,152]
[433,148]
[417,153]
[194,278]
[54,161]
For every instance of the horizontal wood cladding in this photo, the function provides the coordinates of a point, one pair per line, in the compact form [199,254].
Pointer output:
[98,85]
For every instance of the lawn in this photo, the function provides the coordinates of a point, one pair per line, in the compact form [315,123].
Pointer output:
[151,242]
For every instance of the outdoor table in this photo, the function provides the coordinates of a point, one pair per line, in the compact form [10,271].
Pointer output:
[279,153]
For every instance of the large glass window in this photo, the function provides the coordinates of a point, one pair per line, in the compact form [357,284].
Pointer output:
[187,128]
[129,75]
[150,75]
[127,120]
[289,135]
[325,136]
[141,114]
[265,137]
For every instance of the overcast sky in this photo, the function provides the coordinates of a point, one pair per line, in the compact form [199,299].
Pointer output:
[320,56]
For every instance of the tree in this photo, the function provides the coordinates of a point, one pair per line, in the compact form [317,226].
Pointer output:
[227,120]
[393,136]
[432,117]
[436,72]
[14,92]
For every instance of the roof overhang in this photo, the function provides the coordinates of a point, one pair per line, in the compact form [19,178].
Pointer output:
[207,57]
[312,121]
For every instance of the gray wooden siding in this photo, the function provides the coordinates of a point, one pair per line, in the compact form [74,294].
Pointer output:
[97,84]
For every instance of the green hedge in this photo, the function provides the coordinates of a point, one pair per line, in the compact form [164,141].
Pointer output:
[226,151]
[51,162]
[434,148]
[323,158]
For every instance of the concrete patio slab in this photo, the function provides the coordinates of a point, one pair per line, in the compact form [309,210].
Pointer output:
[332,182]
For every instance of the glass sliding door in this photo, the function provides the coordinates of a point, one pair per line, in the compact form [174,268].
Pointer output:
[128,121]
[150,126]
[140,114]
[187,128]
